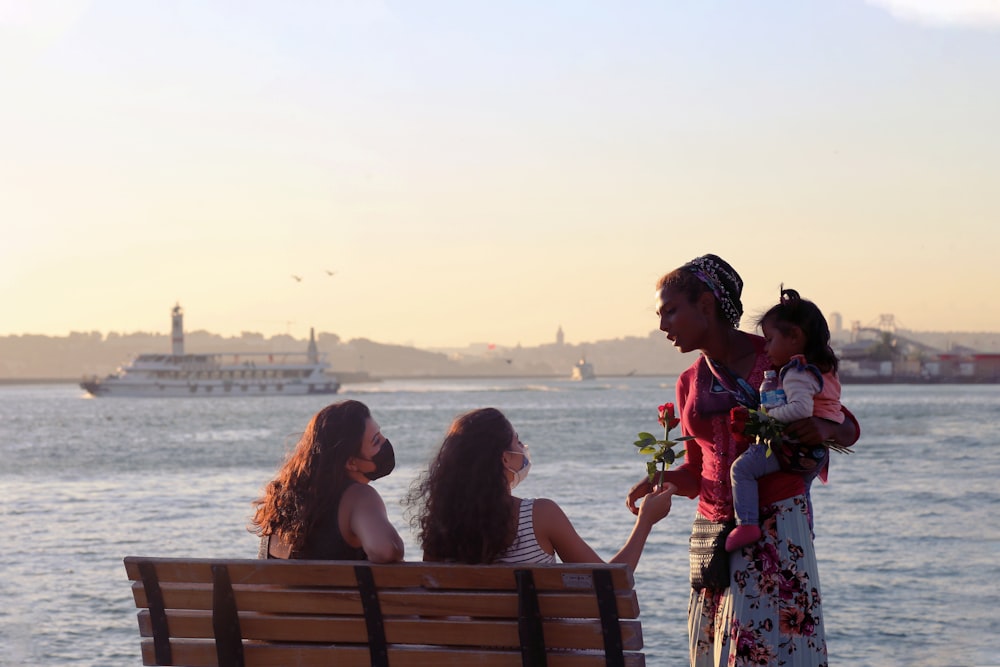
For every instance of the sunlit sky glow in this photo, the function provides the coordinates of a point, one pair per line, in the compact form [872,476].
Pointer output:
[480,172]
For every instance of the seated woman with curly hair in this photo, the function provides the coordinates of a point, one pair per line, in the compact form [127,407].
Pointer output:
[320,505]
[464,511]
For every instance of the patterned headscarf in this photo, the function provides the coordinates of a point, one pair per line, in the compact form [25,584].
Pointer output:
[722,279]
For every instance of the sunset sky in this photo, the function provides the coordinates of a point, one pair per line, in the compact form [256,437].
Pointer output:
[488,171]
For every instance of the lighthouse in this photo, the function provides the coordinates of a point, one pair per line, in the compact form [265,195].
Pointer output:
[312,352]
[177,331]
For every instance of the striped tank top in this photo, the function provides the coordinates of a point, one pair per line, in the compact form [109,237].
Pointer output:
[525,548]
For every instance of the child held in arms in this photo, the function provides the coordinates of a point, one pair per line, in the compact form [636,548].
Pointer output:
[797,340]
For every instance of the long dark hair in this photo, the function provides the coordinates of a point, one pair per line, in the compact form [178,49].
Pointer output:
[309,484]
[461,508]
[793,310]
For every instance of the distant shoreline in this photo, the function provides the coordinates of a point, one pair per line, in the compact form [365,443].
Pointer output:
[848,379]
[12,381]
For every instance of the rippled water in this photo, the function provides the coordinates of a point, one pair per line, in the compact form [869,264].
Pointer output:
[908,539]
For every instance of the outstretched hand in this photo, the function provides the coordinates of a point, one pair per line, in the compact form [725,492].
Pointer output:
[644,491]
[641,489]
[656,504]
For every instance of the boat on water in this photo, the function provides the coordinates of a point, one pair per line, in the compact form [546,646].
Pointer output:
[583,370]
[217,374]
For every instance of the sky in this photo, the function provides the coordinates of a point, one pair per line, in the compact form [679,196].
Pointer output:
[475,171]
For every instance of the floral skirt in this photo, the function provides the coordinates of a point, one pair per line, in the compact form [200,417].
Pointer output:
[771,612]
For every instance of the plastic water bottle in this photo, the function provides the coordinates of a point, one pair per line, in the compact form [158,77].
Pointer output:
[771,394]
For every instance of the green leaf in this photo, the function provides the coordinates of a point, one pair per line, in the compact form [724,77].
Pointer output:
[648,450]
[646,436]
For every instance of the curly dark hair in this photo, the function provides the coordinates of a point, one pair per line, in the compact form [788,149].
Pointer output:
[310,482]
[793,310]
[461,508]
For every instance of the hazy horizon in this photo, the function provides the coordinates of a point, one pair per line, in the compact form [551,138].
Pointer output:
[437,173]
[300,336]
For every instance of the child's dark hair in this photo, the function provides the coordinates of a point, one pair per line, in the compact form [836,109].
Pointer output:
[806,315]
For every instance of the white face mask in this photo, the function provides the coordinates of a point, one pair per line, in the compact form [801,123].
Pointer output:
[519,475]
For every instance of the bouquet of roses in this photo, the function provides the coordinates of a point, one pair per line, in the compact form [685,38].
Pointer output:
[661,450]
[756,426]
[759,427]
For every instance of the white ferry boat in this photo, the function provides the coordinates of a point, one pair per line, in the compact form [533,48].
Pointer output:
[228,374]
[583,370]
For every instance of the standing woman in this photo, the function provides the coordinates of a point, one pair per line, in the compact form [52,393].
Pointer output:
[464,511]
[768,610]
[320,505]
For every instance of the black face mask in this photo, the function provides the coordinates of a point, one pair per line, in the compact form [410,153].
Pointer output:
[384,462]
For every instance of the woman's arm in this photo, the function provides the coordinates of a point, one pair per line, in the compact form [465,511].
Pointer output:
[814,430]
[552,527]
[555,534]
[654,507]
[370,525]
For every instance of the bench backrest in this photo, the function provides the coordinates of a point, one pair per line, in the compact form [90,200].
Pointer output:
[227,613]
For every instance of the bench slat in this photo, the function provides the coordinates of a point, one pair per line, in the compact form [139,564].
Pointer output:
[559,633]
[193,653]
[394,602]
[398,575]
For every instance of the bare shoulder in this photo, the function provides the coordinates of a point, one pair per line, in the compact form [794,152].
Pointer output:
[360,494]
[546,509]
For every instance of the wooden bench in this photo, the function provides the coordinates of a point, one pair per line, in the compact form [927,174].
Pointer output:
[201,612]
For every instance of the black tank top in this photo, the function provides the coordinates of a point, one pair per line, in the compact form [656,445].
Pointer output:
[323,543]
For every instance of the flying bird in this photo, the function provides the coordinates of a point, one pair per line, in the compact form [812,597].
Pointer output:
[298,279]
[329,272]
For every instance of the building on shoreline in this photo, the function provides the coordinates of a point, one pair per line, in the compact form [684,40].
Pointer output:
[890,357]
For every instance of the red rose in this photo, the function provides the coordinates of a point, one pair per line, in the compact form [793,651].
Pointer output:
[662,413]
[666,416]
[661,450]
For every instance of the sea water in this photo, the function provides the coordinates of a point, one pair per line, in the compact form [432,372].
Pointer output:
[908,539]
